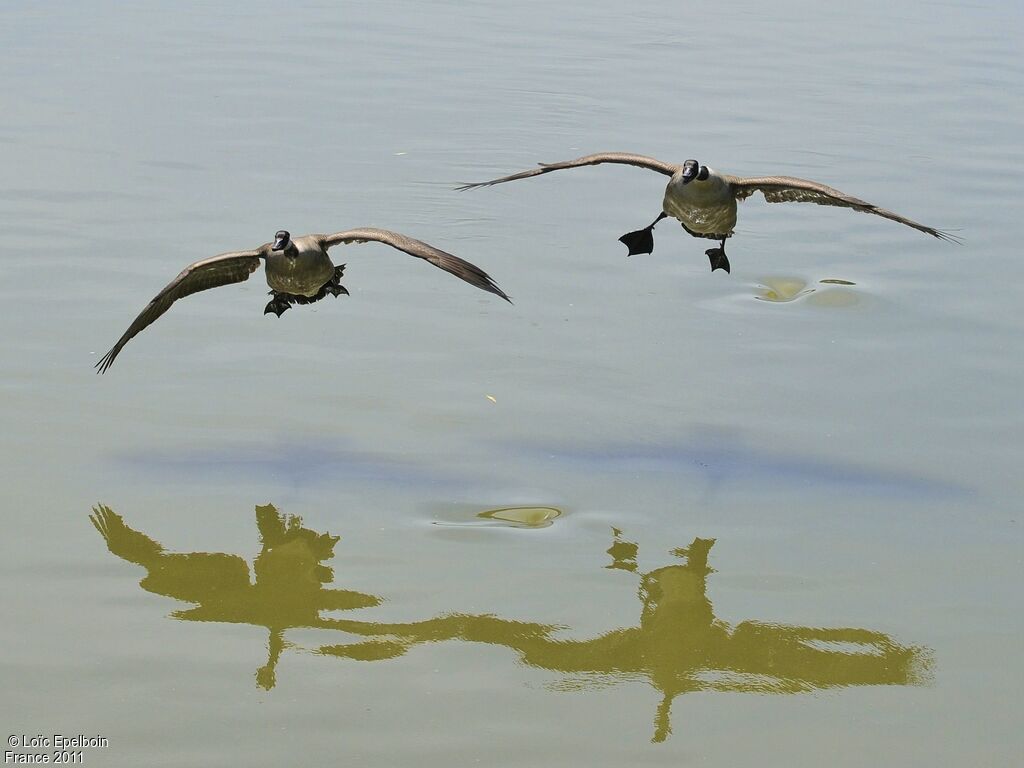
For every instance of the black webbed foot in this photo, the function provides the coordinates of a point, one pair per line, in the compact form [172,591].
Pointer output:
[334,286]
[326,288]
[718,259]
[277,306]
[640,241]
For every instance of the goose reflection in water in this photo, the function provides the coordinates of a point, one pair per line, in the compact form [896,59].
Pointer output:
[678,645]
[287,591]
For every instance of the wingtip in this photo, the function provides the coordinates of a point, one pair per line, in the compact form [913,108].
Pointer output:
[490,286]
[948,236]
[473,275]
[105,362]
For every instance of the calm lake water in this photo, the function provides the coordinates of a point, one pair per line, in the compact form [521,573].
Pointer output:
[773,517]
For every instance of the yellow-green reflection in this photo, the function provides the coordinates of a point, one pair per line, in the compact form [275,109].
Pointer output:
[835,297]
[786,289]
[783,289]
[286,589]
[677,645]
[527,517]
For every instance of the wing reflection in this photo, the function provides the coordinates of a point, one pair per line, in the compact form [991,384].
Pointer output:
[678,645]
[287,589]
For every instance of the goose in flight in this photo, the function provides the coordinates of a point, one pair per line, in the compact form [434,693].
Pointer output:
[298,271]
[704,201]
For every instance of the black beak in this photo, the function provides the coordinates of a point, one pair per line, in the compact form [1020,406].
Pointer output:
[689,174]
[279,244]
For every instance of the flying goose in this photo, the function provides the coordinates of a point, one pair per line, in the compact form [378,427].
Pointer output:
[704,200]
[298,271]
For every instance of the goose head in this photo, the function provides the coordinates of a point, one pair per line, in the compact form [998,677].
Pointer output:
[694,170]
[282,240]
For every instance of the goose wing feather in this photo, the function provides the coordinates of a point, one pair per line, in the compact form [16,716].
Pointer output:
[461,268]
[789,189]
[623,158]
[224,269]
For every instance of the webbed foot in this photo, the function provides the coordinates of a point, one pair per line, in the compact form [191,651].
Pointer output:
[277,306]
[640,241]
[718,259]
[334,286]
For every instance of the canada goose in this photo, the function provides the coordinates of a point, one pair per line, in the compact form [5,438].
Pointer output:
[704,200]
[299,271]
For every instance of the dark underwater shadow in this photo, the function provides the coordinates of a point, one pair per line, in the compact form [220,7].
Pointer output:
[721,460]
[311,462]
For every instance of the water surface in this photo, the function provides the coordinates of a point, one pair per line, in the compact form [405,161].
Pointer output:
[788,498]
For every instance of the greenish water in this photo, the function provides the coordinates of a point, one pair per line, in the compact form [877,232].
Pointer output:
[646,515]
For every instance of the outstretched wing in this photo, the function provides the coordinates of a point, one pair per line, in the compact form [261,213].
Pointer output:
[623,158]
[125,542]
[787,189]
[219,270]
[461,268]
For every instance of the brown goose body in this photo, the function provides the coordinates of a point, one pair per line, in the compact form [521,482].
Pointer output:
[301,270]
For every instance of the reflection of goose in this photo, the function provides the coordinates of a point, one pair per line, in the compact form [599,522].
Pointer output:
[678,645]
[287,591]
[704,200]
[299,271]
